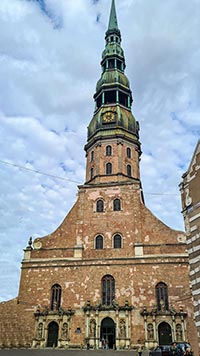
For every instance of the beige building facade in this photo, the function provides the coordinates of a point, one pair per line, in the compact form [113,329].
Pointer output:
[190,195]
[112,275]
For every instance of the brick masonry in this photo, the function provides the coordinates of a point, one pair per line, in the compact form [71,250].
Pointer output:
[62,300]
[151,252]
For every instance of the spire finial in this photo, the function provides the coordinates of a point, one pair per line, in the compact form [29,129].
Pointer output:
[113,25]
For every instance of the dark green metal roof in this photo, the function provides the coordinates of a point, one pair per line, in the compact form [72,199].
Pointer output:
[113,25]
[113,83]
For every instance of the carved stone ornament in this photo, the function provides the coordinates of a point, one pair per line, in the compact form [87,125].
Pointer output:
[37,245]
[188,199]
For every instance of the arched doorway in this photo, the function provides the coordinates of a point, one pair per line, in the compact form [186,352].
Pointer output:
[164,334]
[52,334]
[108,332]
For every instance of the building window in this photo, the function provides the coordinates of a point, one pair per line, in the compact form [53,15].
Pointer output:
[162,296]
[108,168]
[117,241]
[128,152]
[108,150]
[110,95]
[91,173]
[55,297]
[117,204]
[108,289]
[92,156]
[129,170]
[99,242]
[123,99]
[100,206]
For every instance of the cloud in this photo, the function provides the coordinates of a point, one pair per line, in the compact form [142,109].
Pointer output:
[49,65]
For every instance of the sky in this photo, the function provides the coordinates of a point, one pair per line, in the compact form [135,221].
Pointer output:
[50,53]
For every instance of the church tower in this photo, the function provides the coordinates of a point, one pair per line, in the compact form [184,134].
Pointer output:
[111,275]
[113,147]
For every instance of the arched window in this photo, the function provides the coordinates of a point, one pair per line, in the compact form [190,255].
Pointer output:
[92,156]
[117,241]
[108,168]
[162,296]
[55,297]
[129,170]
[100,206]
[108,150]
[91,173]
[108,289]
[117,204]
[99,242]
[128,152]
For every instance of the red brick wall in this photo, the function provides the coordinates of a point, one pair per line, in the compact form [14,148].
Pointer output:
[164,259]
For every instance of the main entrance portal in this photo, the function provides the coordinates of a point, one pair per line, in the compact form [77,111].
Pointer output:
[164,334]
[108,332]
[52,334]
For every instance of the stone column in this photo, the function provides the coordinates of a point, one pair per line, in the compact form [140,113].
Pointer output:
[183,326]
[154,327]
[117,330]
[145,327]
[87,324]
[127,329]
[97,336]
[173,328]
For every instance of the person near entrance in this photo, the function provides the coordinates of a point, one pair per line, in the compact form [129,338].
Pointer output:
[106,344]
[188,352]
[103,343]
[174,350]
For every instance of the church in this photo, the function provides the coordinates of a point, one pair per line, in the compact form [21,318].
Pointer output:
[112,275]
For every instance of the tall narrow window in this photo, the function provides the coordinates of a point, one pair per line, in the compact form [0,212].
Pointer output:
[117,241]
[91,173]
[108,289]
[55,297]
[108,150]
[99,242]
[162,296]
[108,168]
[100,206]
[129,170]
[117,204]
[92,156]
[128,152]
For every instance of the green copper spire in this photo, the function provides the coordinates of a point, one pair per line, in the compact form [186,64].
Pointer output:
[113,97]
[113,25]
[113,18]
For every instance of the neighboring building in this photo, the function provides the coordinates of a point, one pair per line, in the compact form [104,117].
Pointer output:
[112,273]
[190,195]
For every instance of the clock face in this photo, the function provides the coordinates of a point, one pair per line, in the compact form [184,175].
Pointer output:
[109,117]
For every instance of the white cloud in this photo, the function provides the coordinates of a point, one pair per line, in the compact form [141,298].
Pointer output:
[49,66]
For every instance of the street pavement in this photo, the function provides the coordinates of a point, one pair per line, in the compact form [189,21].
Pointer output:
[51,352]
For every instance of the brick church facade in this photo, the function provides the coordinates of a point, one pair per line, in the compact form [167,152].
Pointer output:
[112,274]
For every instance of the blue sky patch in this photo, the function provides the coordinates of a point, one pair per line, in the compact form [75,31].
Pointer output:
[55,19]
